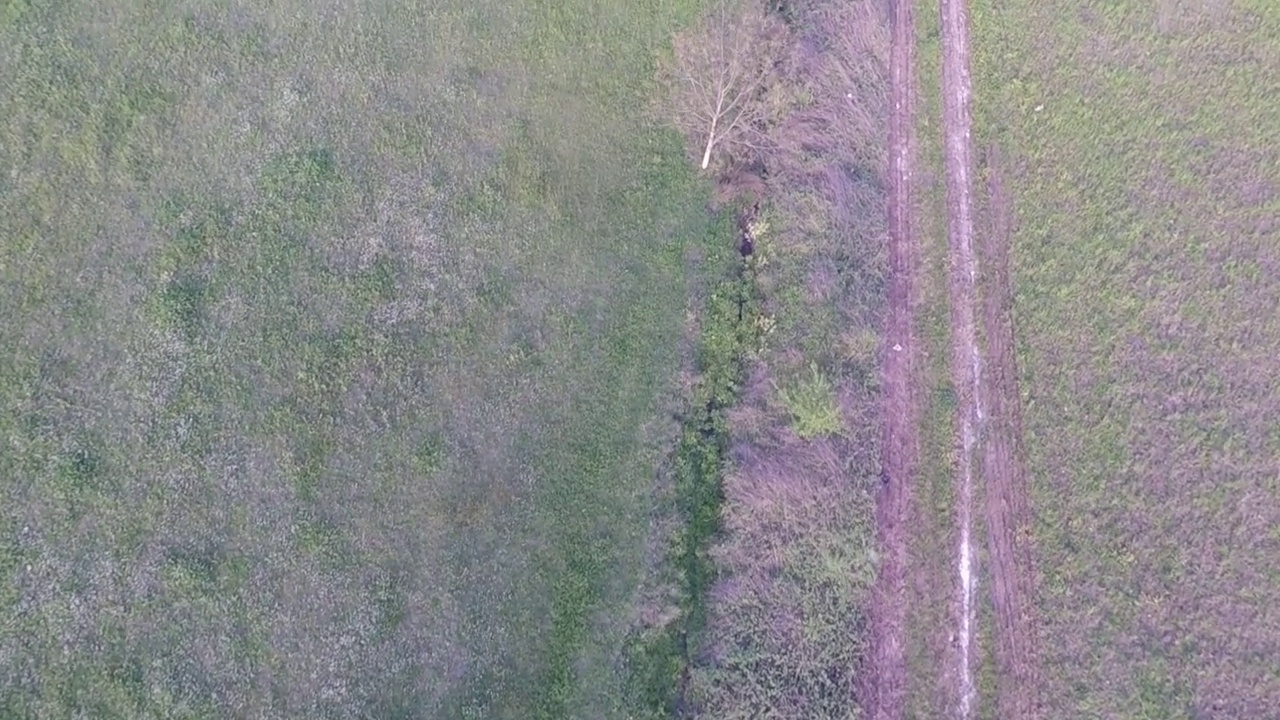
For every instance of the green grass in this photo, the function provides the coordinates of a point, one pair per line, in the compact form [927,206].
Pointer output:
[331,332]
[1140,139]
[662,656]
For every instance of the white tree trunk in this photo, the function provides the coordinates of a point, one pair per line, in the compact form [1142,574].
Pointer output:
[711,136]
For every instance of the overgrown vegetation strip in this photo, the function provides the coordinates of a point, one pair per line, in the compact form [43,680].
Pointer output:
[887,678]
[965,358]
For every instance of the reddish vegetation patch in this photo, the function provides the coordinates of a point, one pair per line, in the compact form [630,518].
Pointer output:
[784,630]
[1008,514]
[886,681]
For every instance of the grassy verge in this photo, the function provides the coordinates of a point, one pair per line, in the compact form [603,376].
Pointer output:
[1145,176]
[661,657]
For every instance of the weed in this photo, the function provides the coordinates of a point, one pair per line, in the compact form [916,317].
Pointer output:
[784,627]
[811,403]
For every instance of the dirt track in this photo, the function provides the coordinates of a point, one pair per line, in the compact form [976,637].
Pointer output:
[987,406]
[886,683]
[966,359]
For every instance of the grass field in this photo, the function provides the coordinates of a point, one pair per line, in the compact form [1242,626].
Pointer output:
[332,331]
[1140,140]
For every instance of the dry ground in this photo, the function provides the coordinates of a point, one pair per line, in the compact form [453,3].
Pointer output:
[971,651]
[988,407]
[966,359]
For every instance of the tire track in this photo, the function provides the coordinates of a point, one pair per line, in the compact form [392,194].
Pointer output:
[888,677]
[966,360]
[1008,513]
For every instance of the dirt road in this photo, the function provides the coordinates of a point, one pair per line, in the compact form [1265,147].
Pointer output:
[886,684]
[966,359]
[1008,512]
[987,417]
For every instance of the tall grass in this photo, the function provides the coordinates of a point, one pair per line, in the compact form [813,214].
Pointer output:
[785,631]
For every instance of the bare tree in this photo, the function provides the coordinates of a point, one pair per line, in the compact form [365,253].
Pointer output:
[719,75]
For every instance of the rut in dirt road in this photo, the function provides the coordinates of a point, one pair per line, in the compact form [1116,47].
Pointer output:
[966,360]
[887,680]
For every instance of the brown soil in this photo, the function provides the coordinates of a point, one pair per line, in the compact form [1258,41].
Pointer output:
[887,679]
[1008,514]
[986,393]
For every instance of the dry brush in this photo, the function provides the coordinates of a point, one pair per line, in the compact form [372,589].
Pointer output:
[719,78]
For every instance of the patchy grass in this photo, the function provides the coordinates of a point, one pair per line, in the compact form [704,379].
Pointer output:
[331,331]
[1147,183]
